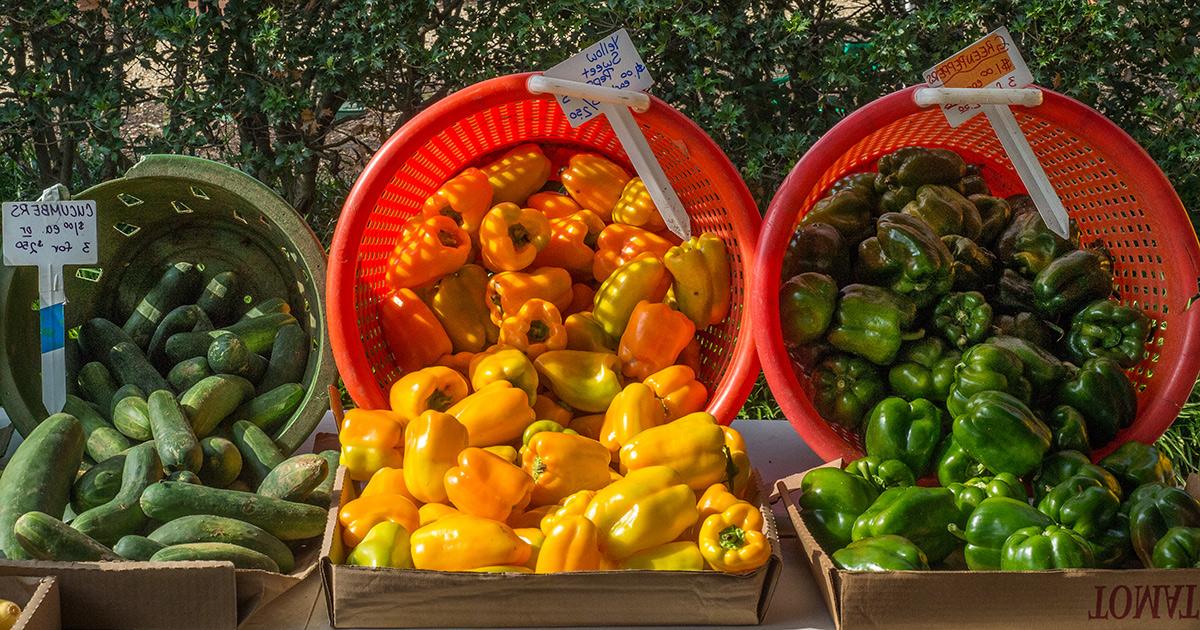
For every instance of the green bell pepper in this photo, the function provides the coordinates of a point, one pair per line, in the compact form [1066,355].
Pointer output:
[1041,368]
[946,211]
[1014,294]
[925,265]
[831,500]
[970,493]
[1179,548]
[1082,504]
[1051,547]
[872,266]
[1107,329]
[994,214]
[806,304]
[1112,547]
[861,183]
[871,322]
[974,267]
[894,199]
[845,388]
[1058,467]
[1002,433]
[847,211]
[918,166]
[987,367]
[1068,429]
[1070,282]
[882,473]
[385,545]
[954,465]
[909,432]
[924,369]
[1153,509]
[817,247]
[972,185]
[1102,392]
[922,515]
[990,525]
[1027,244]
[881,553]
[962,318]
[1134,464]
[1027,326]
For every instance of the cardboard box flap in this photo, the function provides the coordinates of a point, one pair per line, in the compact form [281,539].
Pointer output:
[819,564]
[256,588]
[38,599]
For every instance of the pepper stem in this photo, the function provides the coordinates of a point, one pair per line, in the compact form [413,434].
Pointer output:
[519,235]
[438,401]
[538,331]
[733,537]
[539,467]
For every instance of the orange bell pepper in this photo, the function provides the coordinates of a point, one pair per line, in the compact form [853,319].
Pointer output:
[511,237]
[535,538]
[505,364]
[413,335]
[485,485]
[634,410]
[546,408]
[554,205]
[574,505]
[690,357]
[435,387]
[738,469]
[431,512]
[508,291]
[360,515]
[517,174]
[496,414]
[595,182]
[733,541]
[531,517]
[582,298]
[653,339]
[388,481]
[429,248]
[562,464]
[463,542]
[371,440]
[431,446]
[572,243]
[465,198]
[636,208]
[505,452]
[588,426]
[678,390]
[585,333]
[459,302]
[536,328]
[619,244]
[459,362]
[573,545]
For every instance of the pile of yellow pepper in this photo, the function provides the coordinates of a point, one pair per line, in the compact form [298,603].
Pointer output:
[520,441]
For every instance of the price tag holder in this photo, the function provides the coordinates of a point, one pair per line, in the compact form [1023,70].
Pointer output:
[48,234]
[611,62]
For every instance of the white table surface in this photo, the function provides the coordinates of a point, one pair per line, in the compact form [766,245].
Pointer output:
[775,450]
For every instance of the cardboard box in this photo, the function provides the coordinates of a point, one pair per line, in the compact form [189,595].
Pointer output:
[38,599]
[363,597]
[1094,599]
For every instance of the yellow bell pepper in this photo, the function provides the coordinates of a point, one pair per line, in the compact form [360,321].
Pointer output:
[540,426]
[503,568]
[431,512]
[701,280]
[683,555]
[511,237]
[554,205]
[536,539]
[434,388]
[531,517]
[388,481]
[573,545]
[546,408]
[431,446]
[465,198]
[693,446]
[496,414]
[508,291]
[562,464]
[463,542]
[738,469]
[505,452]
[678,390]
[505,364]
[587,381]
[536,328]
[588,426]
[385,545]
[585,333]
[574,505]
[647,508]
[595,182]
[459,303]
[483,484]
[733,541]
[358,516]
[634,410]
[371,439]
[635,207]
[519,173]
[716,499]
[640,279]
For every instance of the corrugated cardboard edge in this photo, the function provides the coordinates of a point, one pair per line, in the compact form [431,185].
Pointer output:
[257,588]
[819,563]
[43,610]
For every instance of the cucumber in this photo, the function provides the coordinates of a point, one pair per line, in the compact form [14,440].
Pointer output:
[260,455]
[130,366]
[123,392]
[241,557]
[286,520]
[38,477]
[44,537]
[211,400]
[123,515]
[222,462]
[98,336]
[259,333]
[98,485]
[181,319]
[187,345]
[295,478]
[101,439]
[132,418]
[228,354]
[203,323]
[219,297]
[267,307]
[179,285]
[289,358]
[138,548]
[188,372]
[96,384]
[255,369]
[323,493]
[219,529]
[239,485]
[185,476]
[177,445]
[270,410]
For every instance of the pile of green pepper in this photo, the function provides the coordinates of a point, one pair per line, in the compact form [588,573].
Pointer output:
[962,339]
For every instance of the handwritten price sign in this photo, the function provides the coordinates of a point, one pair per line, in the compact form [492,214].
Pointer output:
[40,233]
[611,62]
[992,62]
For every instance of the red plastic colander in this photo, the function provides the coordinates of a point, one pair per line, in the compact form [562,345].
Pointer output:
[473,125]
[1108,184]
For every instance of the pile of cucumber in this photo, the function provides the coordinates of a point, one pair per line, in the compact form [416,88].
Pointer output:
[166,453]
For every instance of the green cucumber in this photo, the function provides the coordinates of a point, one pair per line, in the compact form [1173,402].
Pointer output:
[177,445]
[185,476]
[222,462]
[101,439]
[179,285]
[98,485]
[39,475]
[123,515]
[187,345]
[289,358]
[44,537]
[228,354]
[219,529]
[239,485]
[295,478]
[268,307]
[188,372]
[241,557]
[132,418]
[286,520]
[260,455]
[211,400]
[96,384]
[138,548]
[97,336]
[259,333]
[123,392]
[323,493]
[130,366]
[255,368]
[219,297]
[270,410]
[182,319]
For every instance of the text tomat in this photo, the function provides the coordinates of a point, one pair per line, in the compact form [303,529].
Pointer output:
[1149,601]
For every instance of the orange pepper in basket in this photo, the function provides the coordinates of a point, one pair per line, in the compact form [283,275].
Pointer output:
[411,331]
[465,198]
[483,484]
[595,182]
[388,481]
[517,174]
[634,410]
[436,387]
[635,207]
[653,339]
[690,357]
[583,296]
[536,328]
[573,545]
[562,464]
[678,390]
[371,440]
[554,205]
[572,243]
[619,244]
[358,516]
[546,408]
[429,248]
[511,237]
[432,443]
[509,290]
[462,542]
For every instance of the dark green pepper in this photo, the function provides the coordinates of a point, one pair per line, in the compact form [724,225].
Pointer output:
[1102,392]
[990,525]
[922,515]
[1179,548]
[973,184]
[970,493]
[954,465]
[1051,547]
[1014,294]
[987,367]
[1134,464]
[1082,504]
[861,183]
[946,211]
[1107,329]
[845,388]
[1070,282]
[831,500]
[909,432]
[1112,547]
[872,266]
[1027,245]
[1041,368]
[806,304]
[1002,433]
[847,211]
[962,318]
[925,265]
[924,369]
[974,267]
[817,247]
[881,553]
[1029,327]
[994,215]
[894,199]
[871,322]
[1069,430]
[1153,509]
[918,166]
[882,473]
[1058,467]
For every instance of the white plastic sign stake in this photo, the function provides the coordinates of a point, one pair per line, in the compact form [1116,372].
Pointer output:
[608,78]
[48,234]
[995,62]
